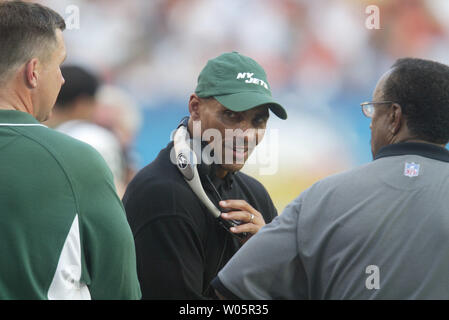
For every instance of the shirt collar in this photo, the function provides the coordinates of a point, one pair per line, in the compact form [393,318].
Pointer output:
[226,182]
[15,117]
[421,149]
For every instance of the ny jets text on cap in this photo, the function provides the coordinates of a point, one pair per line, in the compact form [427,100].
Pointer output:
[238,82]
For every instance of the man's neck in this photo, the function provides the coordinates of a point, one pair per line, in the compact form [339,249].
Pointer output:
[11,99]
[220,172]
[3,107]
[5,104]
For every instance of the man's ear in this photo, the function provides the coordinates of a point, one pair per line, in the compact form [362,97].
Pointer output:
[396,118]
[194,107]
[32,73]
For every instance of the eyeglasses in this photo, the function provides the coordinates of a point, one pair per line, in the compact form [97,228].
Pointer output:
[368,107]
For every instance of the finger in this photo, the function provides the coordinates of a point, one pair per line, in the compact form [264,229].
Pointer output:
[238,205]
[238,215]
[247,227]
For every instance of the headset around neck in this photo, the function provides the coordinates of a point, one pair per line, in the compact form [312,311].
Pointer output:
[187,162]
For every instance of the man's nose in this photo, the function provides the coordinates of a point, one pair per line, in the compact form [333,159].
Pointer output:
[249,136]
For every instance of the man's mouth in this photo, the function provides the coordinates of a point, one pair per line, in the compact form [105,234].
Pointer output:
[240,152]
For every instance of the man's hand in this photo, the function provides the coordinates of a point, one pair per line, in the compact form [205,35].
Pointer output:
[252,220]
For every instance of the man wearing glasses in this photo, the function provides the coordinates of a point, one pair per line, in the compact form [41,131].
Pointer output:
[380,231]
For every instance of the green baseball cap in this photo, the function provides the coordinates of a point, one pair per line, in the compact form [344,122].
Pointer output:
[238,82]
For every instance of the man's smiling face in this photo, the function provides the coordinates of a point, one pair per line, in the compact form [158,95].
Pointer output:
[239,132]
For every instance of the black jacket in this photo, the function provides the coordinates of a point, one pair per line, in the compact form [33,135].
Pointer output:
[179,244]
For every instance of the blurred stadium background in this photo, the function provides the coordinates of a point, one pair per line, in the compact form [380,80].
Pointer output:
[320,58]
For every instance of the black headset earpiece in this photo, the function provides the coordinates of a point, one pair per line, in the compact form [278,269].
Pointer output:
[189,166]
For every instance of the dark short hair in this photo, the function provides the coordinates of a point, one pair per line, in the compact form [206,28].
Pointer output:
[25,28]
[421,88]
[79,82]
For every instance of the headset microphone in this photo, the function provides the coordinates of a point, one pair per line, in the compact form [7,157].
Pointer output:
[186,161]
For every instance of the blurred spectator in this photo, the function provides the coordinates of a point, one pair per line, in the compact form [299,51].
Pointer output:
[73,114]
[76,99]
[148,45]
[118,111]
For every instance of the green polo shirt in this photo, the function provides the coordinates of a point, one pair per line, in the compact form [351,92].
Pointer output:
[63,230]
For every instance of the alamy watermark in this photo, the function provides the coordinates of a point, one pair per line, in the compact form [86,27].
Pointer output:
[372,282]
[72,17]
[234,147]
[373,19]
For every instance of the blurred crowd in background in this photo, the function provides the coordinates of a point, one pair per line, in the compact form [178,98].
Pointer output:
[320,58]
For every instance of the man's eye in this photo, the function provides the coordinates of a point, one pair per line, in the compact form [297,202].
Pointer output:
[259,121]
[230,114]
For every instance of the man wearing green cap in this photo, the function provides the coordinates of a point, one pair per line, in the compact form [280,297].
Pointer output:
[180,245]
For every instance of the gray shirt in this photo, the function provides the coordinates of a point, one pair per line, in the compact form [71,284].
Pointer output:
[380,231]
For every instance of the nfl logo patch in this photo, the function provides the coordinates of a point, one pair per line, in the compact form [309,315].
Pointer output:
[411,169]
